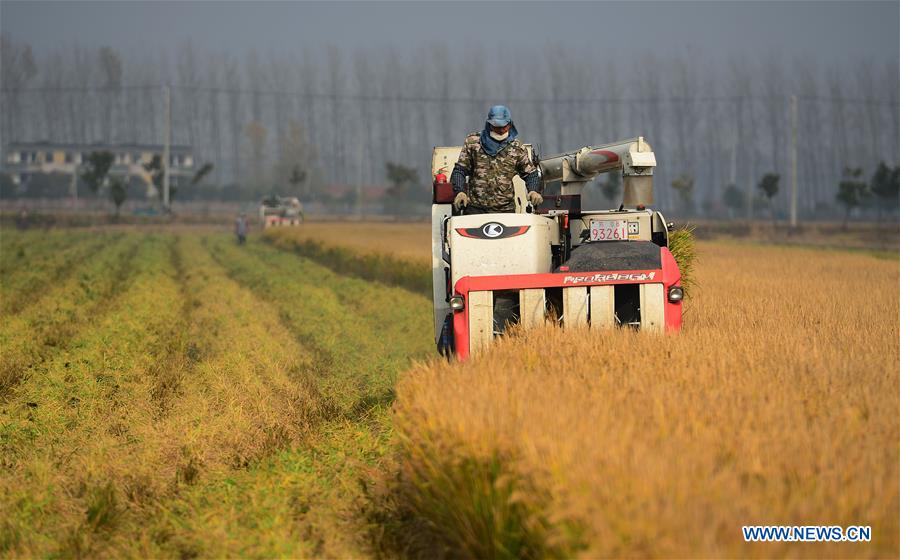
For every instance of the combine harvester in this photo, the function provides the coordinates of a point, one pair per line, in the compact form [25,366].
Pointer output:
[280,211]
[603,268]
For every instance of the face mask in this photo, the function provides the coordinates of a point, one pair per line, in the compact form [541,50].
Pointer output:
[499,137]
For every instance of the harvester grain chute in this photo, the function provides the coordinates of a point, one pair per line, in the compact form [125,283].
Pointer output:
[602,268]
[280,211]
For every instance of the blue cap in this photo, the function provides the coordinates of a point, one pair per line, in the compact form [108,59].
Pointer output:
[499,116]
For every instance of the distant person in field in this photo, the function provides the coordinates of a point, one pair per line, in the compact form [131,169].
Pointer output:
[240,228]
[490,159]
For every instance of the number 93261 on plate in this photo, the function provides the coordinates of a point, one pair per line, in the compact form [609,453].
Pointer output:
[609,230]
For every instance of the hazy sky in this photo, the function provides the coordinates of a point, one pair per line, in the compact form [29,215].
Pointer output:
[822,30]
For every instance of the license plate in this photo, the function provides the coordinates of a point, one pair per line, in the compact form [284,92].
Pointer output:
[609,230]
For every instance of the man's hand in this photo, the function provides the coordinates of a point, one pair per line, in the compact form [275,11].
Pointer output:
[461,201]
[535,198]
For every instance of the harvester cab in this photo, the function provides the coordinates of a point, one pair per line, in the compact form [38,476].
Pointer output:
[602,268]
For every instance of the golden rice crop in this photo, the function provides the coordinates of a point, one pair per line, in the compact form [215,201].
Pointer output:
[777,404]
[684,250]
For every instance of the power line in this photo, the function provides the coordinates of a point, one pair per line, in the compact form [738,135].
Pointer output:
[449,99]
[78,89]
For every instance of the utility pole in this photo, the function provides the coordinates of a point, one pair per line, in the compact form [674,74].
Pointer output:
[793,161]
[732,175]
[359,180]
[73,186]
[167,91]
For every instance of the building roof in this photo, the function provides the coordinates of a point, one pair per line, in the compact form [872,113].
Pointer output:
[97,146]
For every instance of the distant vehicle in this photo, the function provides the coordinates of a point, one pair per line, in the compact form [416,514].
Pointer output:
[280,211]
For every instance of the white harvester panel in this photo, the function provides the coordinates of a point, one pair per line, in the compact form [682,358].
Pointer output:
[481,321]
[575,306]
[603,307]
[532,307]
[653,308]
[443,158]
[500,244]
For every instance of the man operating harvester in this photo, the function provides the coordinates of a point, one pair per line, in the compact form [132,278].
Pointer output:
[490,159]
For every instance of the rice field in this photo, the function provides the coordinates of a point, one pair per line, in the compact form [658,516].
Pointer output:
[176,395]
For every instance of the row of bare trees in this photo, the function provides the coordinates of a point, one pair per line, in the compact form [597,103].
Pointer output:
[339,115]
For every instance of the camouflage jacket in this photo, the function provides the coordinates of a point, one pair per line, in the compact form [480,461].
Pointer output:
[490,178]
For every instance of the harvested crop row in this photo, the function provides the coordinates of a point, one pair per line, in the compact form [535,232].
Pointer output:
[362,333]
[62,491]
[243,393]
[245,359]
[189,420]
[198,388]
[41,331]
[247,395]
[44,265]
[18,247]
[775,405]
[411,273]
[359,341]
